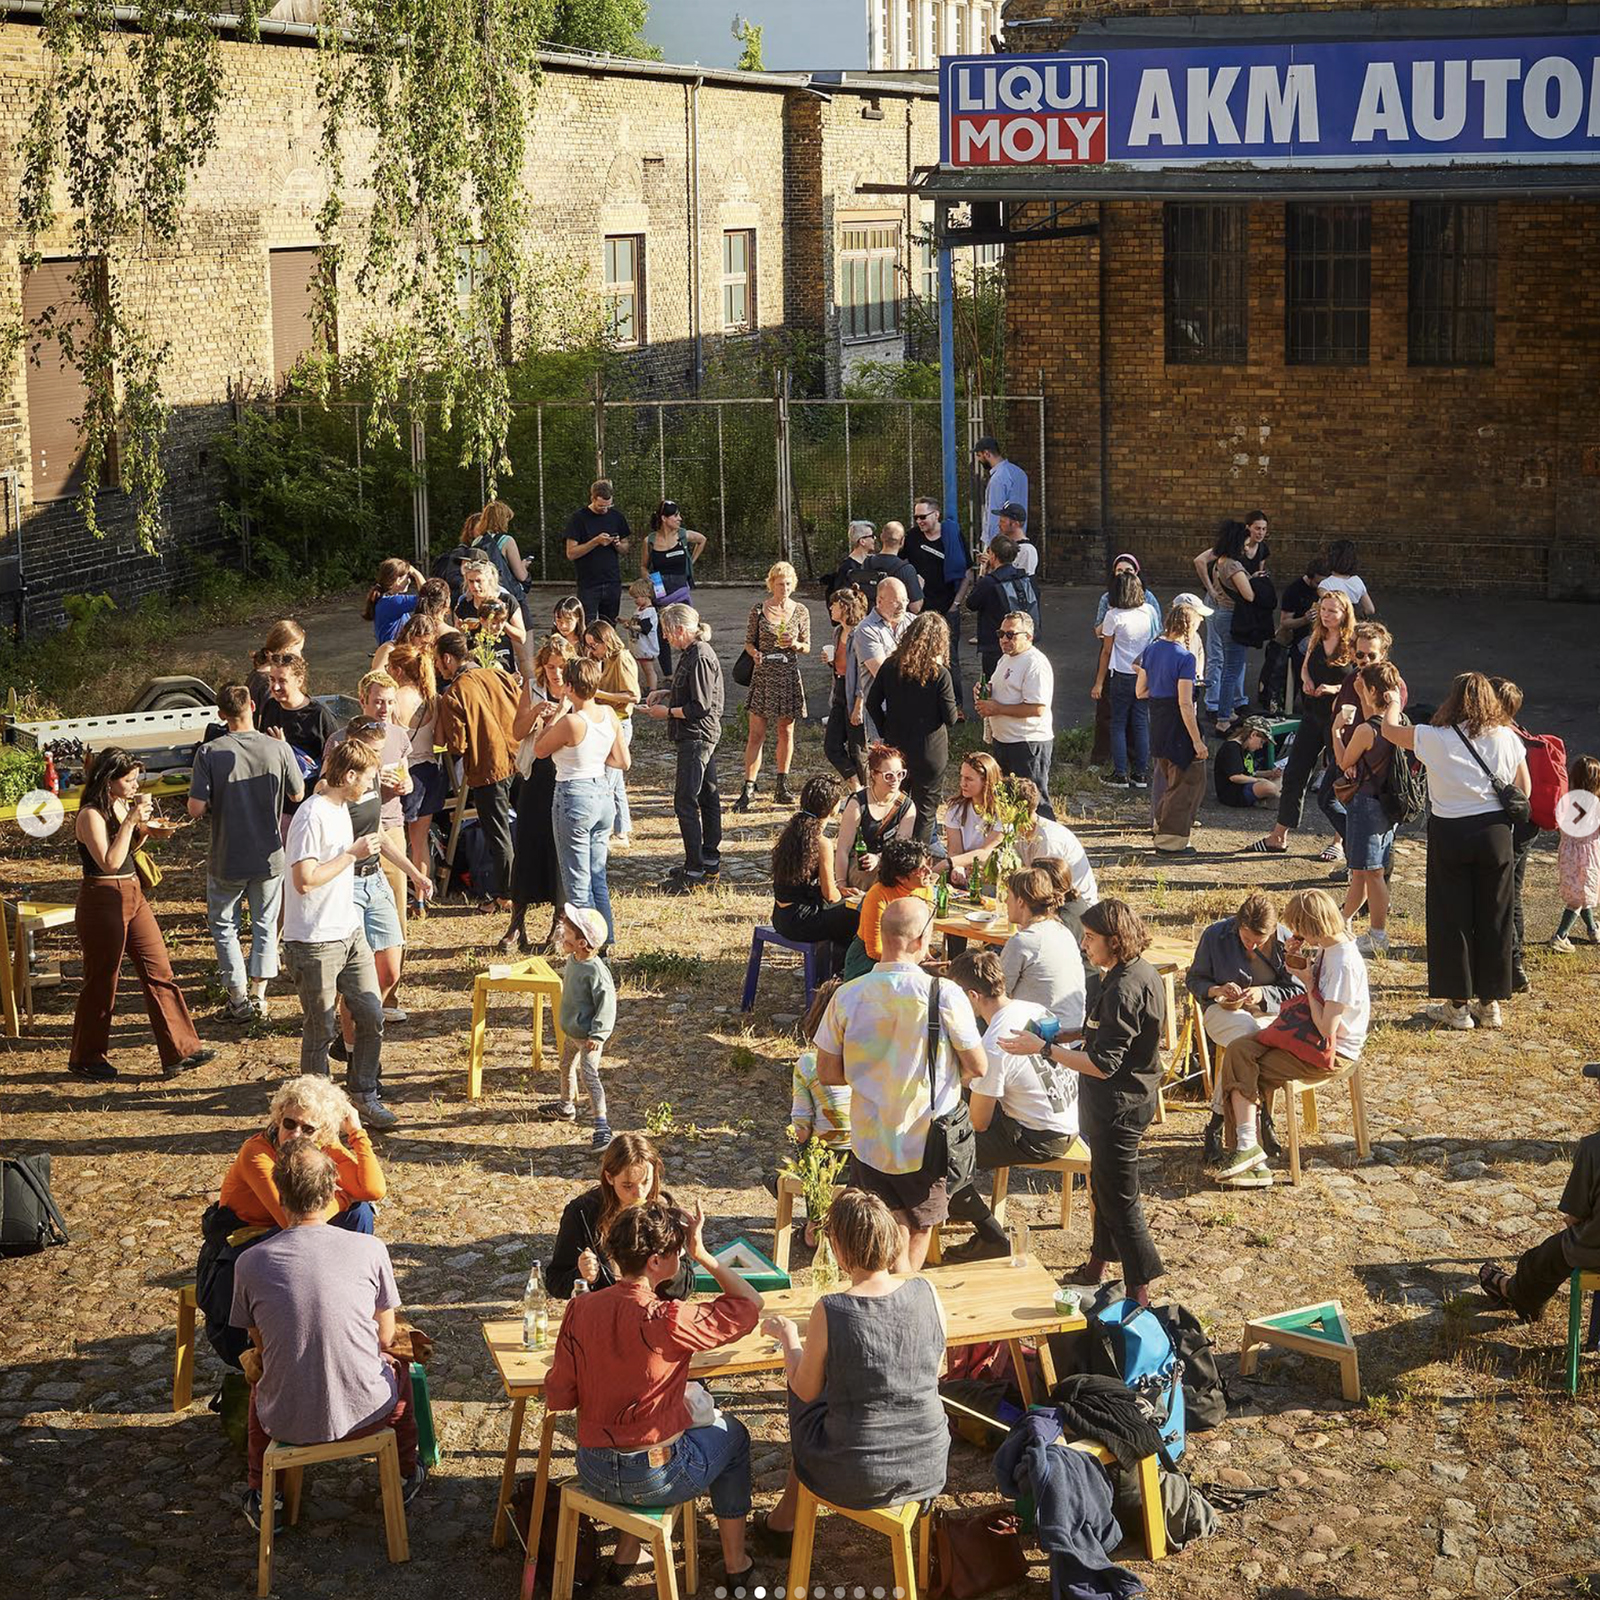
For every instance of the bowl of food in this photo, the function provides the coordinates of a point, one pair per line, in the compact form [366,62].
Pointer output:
[980,919]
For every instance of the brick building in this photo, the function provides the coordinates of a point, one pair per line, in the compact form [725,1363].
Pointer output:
[705,206]
[1402,353]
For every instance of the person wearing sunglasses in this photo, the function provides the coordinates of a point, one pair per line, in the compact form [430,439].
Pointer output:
[871,817]
[1370,649]
[1021,691]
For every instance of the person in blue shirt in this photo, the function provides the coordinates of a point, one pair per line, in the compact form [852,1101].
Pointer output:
[1008,484]
[393,597]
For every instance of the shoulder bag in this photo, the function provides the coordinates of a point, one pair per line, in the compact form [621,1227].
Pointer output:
[951,1150]
[1516,805]
[744,666]
[976,1554]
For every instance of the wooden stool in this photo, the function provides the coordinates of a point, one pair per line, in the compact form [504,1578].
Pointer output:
[1151,1511]
[33,917]
[1075,1161]
[653,1528]
[293,1459]
[1582,1283]
[1316,1330]
[533,976]
[1308,1108]
[892,1521]
[183,1352]
[814,959]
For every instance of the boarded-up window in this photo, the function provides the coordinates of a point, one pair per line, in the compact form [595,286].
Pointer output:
[293,301]
[56,391]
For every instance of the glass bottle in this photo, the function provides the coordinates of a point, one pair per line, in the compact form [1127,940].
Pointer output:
[535,1311]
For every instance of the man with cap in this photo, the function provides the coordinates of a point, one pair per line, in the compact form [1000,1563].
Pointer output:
[1001,589]
[588,1015]
[1014,526]
[1008,485]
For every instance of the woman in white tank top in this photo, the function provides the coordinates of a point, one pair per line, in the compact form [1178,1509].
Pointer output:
[582,744]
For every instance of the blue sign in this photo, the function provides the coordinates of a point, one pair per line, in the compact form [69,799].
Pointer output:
[1337,105]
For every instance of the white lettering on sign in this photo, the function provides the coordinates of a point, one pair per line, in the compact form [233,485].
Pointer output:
[1026,141]
[978,142]
[1558,73]
[1021,89]
[1382,108]
[1155,111]
[1594,100]
[1496,76]
[1444,121]
[1280,104]
[1057,86]
[1209,117]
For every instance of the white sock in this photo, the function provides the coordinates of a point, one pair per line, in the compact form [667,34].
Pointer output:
[1246,1125]
[258,988]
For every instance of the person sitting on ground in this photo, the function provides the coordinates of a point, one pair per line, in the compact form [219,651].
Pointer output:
[1239,780]
[1024,1108]
[971,825]
[1340,1010]
[622,1363]
[631,1172]
[1543,1269]
[905,871]
[817,1110]
[808,904]
[1041,960]
[875,1037]
[588,1016]
[1240,976]
[319,1304]
[1040,836]
[865,1424]
[872,816]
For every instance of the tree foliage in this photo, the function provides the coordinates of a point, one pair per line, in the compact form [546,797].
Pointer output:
[748,34]
[612,27]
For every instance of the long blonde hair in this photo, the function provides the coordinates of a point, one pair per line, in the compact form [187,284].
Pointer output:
[1345,650]
[988,769]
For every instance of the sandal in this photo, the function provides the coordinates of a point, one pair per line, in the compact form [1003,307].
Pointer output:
[1495,1282]
[1263,847]
[1334,852]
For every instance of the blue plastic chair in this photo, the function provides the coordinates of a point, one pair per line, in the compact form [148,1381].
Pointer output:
[814,957]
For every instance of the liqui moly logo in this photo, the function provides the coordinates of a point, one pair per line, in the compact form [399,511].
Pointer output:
[1044,112]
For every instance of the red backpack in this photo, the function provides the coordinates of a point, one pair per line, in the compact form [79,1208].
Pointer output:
[1547,768]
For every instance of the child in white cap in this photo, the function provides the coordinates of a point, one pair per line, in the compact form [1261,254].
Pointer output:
[588,1016]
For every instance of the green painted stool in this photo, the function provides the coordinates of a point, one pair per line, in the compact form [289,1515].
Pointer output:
[1582,1283]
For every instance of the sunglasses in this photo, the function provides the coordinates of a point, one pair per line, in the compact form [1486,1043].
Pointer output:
[1014,633]
[1366,655]
[290,1125]
[892,777]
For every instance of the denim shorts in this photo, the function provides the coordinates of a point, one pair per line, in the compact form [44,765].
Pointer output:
[714,1458]
[1368,834]
[380,921]
[428,796]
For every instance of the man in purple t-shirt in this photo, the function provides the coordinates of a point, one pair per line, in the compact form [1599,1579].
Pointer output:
[320,1304]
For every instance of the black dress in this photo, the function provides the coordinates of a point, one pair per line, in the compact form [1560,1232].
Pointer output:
[921,715]
[535,875]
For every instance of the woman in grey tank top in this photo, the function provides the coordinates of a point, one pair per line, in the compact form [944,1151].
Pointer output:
[865,1424]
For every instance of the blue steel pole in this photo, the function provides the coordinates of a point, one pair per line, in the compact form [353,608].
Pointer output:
[947,365]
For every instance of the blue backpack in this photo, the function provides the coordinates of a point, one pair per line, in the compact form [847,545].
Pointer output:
[1141,1351]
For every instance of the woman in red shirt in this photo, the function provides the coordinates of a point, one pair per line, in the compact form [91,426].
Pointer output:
[644,1437]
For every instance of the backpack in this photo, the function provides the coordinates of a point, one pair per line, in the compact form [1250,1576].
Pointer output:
[493,546]
[30,1220]
[1404,792]
[1547,766]
[1141,1354]
[1020,595]
[448,567]
[1205,1395]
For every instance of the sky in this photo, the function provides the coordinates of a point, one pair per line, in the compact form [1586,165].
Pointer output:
[810,35]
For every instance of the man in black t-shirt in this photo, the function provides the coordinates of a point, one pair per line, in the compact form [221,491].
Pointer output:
[597,534]
[848,574]
[890,562]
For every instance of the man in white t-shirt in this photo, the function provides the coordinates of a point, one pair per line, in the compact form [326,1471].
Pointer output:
[323,938]
[1025,1108]
[874,1038]
[1018,707]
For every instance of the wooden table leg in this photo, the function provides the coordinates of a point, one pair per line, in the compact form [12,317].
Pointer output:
[783,1227]
[1155,1516]
[1019,1367]
[538,1029]
[508,1472]
[541,1489]
[1047,1364]
[8,994]
[480,1026]
[183,1354]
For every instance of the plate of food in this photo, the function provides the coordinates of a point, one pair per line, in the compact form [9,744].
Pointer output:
[980,919]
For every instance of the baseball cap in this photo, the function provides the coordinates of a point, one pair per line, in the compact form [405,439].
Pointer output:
[1194,602]
[588,922]
[1015,512]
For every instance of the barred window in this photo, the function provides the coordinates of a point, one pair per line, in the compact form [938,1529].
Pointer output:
[1207,285]
[1328,285]
[869,280]
[624,289]
[1454,256]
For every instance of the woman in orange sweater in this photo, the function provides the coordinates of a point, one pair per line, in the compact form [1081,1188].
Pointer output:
[307,1108]
[904,870]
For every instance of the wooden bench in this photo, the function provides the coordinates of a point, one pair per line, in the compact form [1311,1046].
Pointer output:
[1074,1162]
[533,976]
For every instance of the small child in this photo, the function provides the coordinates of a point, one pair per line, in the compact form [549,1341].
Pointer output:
[1240,782]
[588,1015]
[820,1110]
[646,630]
[1578,862]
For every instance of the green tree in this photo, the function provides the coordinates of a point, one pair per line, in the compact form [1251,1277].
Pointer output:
[614,27]
[748,34]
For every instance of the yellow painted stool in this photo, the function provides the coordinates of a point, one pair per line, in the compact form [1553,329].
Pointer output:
[1075,1161]
[19,979]
[534,976]
[653,1528]
[894,1522]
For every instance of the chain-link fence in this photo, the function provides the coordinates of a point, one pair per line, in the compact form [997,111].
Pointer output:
[762,479]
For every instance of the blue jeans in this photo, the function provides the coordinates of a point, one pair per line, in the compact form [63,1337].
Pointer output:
[357,1217]
[1368,835]
[1218,626]
[623,824]
[582,815]
[1232,696]
[714,1459]
[264,896]
[1328,803]
[1130,726]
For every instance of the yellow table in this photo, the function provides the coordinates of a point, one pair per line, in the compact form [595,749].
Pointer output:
[168,786]
[16,977]
[982,1301]
[534,976]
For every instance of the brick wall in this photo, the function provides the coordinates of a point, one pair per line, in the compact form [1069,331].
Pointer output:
[1463,479]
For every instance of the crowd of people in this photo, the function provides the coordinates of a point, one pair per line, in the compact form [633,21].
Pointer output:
[928,1071]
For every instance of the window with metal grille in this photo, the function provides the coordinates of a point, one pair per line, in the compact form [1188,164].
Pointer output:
[624,289]
[57,394]
[1327,285]
[869,280]
[1206,275]
[1454,256]
[738,280]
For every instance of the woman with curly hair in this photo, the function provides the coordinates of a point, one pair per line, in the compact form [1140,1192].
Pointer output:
[809,905]
[1329,661]
[913,694]
[844,743]
[777,639]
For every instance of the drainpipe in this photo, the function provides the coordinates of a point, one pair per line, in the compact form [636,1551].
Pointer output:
[694,233]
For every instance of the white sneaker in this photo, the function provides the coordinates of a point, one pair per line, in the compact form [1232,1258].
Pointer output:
[1563,945]
[395,1014]
[241,1010]
[1486,1013]
[1372,942]
[621,841]
[1450,1016]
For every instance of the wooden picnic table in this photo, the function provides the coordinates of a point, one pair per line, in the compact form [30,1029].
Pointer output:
[983,1301]
[167,786]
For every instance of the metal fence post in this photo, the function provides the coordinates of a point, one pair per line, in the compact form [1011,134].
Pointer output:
[722,497]
[911,454]
[661,444]
[538,437]
[419,487]
[849,486]
[1044,504]
[361,488]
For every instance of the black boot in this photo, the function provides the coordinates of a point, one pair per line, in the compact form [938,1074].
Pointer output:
[1267,1135]
[1212,1154]
[747,796]
[1521,983]
[781,791]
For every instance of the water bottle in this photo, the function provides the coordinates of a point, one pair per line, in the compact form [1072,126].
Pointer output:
[535,1311]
